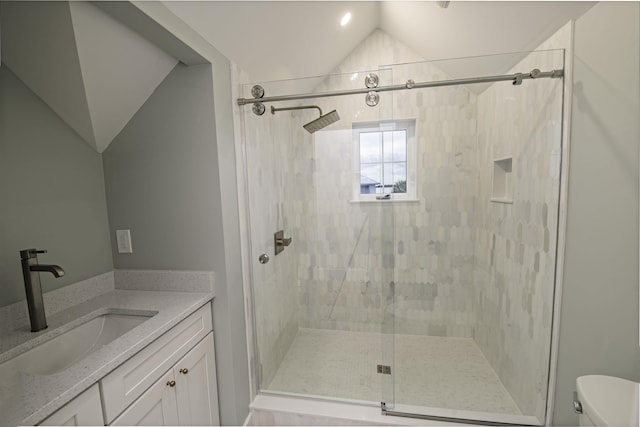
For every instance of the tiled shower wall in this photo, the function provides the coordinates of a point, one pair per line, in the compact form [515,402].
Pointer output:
[515,244]
[342,285]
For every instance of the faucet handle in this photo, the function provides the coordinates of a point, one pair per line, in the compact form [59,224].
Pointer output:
[31,253]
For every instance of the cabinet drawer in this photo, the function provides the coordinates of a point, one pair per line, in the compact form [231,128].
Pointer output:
[84,410]
[127,382]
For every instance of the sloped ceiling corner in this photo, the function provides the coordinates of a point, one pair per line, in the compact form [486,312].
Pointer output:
[476,28]
[39,46]
[120,69]
[273,40]
[94,72]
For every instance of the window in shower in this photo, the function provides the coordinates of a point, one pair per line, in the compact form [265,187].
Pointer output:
[384,165]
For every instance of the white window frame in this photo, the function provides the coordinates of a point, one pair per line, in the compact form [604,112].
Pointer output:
[412,153]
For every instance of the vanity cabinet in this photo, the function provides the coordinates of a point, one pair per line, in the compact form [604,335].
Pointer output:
[84,410]
[185,395]
[170,382]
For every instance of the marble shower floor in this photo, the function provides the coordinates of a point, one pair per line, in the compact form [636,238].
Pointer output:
[438,372]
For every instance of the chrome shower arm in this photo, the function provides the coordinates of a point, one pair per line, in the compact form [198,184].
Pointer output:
[303,107]
[314,125]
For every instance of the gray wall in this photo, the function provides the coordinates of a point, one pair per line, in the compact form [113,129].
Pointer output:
[599,321]
[51,191]
[161,180]
[168,180]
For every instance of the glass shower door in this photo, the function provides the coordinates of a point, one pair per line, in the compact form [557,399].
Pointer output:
[324,306]
[474,253]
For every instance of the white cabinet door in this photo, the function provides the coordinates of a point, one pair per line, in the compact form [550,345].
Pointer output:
[156,407]
[84,410]
[196,386]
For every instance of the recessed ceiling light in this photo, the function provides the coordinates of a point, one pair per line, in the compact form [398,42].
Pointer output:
[345,19]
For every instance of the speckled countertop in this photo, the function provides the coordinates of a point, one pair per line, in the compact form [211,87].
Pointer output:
[29,399]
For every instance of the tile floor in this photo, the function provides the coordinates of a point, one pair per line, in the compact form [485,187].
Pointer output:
[438,372]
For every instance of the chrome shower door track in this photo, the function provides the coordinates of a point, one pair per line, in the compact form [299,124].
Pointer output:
[385,411]
[515,78]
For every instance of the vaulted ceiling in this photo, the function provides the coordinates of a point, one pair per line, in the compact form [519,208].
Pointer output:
[93,71]
[289,39]
[96,72]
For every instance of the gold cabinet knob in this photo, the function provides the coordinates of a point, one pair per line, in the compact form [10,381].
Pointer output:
[184,371]
[171,383]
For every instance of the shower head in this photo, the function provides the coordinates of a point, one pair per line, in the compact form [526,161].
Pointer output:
[315,125]
[322,121]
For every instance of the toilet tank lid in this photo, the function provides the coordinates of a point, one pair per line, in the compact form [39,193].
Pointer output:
[609,401]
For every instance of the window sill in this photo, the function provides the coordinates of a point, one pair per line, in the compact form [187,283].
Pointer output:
[385,201]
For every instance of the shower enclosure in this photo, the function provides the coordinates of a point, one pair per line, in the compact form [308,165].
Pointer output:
[423,219]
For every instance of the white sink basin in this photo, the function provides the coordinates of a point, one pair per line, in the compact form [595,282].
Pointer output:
[65,349]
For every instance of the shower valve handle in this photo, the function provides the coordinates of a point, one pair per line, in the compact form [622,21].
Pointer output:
[286,241]
[280,242]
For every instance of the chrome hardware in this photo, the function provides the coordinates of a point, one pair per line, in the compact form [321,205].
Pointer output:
[184,371]
[410,84]
[577,405]
[31,274]
[263,259]
[171,383]
[371,80]
[315,125]
[383,407]
[257,91]
[517,81]
[385,197]
[421,85]
[258,108]
[535,73]
[279,241]
[372,99]
[302,107]
[283,242]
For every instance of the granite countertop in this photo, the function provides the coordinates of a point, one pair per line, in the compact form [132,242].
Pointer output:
[28,399]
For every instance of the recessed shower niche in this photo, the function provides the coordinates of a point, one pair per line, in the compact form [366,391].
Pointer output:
[502,182]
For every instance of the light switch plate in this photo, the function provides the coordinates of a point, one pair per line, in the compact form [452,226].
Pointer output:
[123,238]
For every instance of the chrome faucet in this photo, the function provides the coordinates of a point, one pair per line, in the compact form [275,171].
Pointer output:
[31,273]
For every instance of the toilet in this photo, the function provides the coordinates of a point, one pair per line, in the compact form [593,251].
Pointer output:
[607,401]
